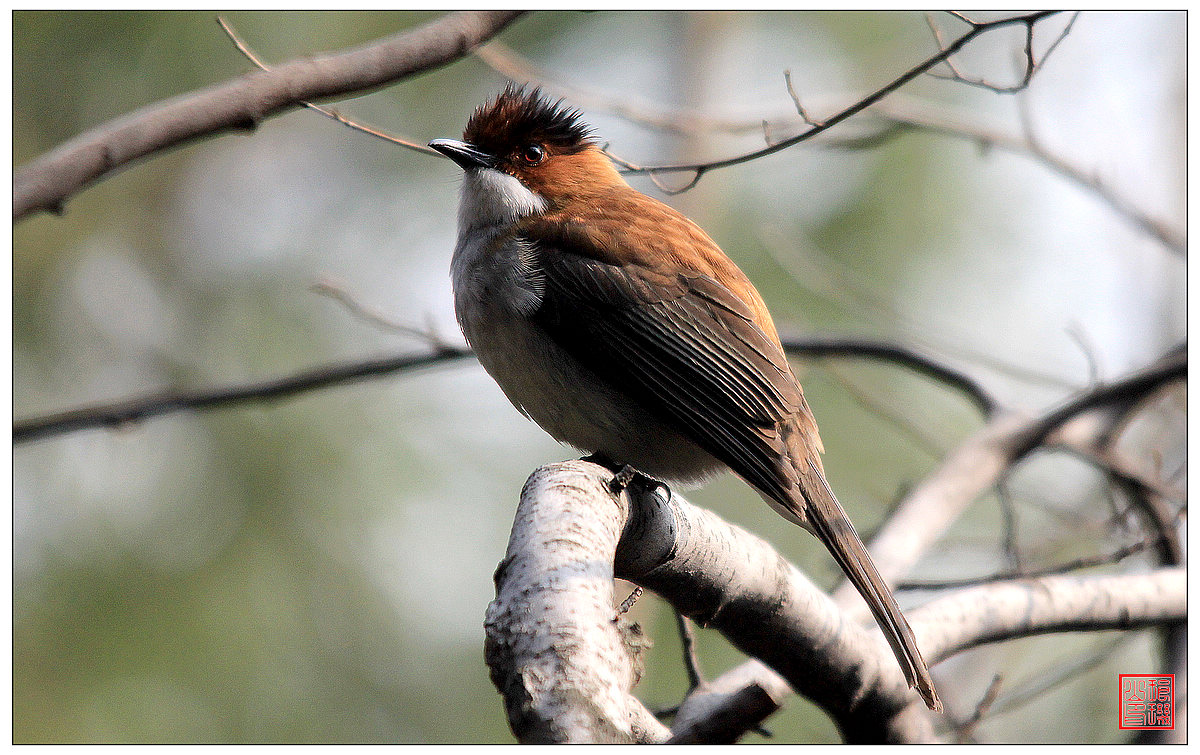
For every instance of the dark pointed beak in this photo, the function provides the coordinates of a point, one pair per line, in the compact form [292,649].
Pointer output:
[466,155]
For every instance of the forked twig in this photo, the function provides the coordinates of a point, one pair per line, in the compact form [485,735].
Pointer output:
[244,49]
[698,169]
[358,309]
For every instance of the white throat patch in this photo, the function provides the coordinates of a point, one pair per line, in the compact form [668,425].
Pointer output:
[491,198]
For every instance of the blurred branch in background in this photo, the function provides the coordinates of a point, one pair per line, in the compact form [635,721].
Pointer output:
[989,455]
[898,113]
[122,413]
[698,169]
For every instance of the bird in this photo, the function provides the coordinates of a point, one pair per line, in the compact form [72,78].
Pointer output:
[619,326]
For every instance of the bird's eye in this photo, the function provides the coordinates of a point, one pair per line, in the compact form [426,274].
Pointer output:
[533,154]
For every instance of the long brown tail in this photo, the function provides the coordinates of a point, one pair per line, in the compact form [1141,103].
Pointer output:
[830,523]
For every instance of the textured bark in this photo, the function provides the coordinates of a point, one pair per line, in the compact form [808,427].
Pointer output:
[555,646]
[1005,610]
[565,668]
[566,662]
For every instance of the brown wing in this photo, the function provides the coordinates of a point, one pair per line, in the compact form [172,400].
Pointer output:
[687,349]
[684,347]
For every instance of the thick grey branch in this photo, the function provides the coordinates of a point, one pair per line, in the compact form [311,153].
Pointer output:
[1006,610]
[554,643]
[722,712]
[555,651]
[48,181]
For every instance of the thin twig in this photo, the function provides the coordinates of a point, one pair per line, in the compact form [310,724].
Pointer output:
[966,729]
[700,168]
[629,602]
[897,113]
[683,121]
[1086,562]
[1031,64]
[1169,369]
[828,277]
[691,661]
[861,396]
[891,352]
[787,79]
[123,413]
[1077,334]
[328,112]
[339,294]
[1023,694]
[1008,512]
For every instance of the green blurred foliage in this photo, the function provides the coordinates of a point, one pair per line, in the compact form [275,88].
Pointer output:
[317,570]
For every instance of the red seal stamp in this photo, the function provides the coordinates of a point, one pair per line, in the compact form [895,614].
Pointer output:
[1147,701]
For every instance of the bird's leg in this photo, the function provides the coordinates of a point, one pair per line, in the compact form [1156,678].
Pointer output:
[625,475]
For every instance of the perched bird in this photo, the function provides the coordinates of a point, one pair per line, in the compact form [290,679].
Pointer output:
[621,328]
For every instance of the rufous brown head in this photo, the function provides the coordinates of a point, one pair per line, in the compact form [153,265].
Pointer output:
[542,143]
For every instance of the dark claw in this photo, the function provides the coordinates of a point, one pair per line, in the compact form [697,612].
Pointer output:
[625,475]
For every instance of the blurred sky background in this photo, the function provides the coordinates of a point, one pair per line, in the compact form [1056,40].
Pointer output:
[317,569]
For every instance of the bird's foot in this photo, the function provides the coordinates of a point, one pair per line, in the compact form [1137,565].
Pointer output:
[625,476]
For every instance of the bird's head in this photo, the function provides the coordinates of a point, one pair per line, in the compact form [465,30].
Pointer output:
[523,154]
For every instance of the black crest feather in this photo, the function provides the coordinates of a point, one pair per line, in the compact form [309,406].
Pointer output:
[520,116]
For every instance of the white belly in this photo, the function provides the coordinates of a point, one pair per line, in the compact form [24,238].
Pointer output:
[494,297]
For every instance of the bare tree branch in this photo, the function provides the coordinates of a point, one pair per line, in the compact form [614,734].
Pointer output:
[983,458]
[699,169]
[966,729]
[1085,562]
[1030,64]
[554,641]
[1007,610]
[921,116]
[896,354]
[125,412]
[717,574]
[48,181]
[897,112]
[572,535]
[723,714]
[328,112]
[1131,389]
[1030,690]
